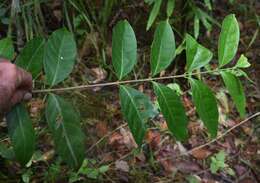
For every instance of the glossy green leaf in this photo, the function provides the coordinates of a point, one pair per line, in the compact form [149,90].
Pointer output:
[137,109]
[163,48]
[59,57]
[6,48]
[173,110]
[236,91]
[197,56]
[153,13]
[228,40]
[206,105]
[64,123]
[242,62]
[170,7]
[31,57]
[21,133]
[124,49]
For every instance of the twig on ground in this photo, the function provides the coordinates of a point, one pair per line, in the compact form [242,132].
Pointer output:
[185,153]
[212,141]
[105,136]
[220,136]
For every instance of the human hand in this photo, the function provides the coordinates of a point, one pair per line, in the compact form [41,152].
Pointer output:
[15,85]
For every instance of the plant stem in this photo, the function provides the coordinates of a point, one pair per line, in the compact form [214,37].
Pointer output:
[123,82]
[15,7]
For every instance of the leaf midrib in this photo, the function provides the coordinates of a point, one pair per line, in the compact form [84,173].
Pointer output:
[34,55]
[58,63]
[168,108]
[207,121]
[193,58]
[122,53]
[224,48]
[160,48]
[22,130]
[65,132]
[132,101]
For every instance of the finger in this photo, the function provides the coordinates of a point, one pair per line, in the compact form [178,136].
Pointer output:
[17,97]
[4,60]
[27,96]
[24,80]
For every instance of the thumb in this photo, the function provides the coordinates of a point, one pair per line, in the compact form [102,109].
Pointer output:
[17,97]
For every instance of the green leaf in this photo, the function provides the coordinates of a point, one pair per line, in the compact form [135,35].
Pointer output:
[103,169]
[197,56]
[208,4]
[193,179]
[170,7]
[5,152]
[239,72]
[59,57]
[228,40]
[236,91]
[205,18]
[196,26]
[26,176]
[206,105]
[175,87]
[137,109]
[124,49]
[31,57]
[220,156]
[154,13]
[6,48]
[163,48]
[22,134]
[64,123]
[213,166]
[180,48]
[231,172]
[173,110]
[242,62]
[149,1]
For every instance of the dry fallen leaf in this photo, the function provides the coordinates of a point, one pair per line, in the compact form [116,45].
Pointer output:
[99,74]
[106,158]
[163,125]
[247,130]
[128,139]
[187,166]
[201,153]
[140,157]
[165,156]
[116,137]
[247,180]
[195,128]
[168,166]
[153,138]
[36,105]
[240,170]
[101,129]
[122,166]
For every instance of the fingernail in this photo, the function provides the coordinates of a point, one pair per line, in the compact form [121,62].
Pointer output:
[27,96]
